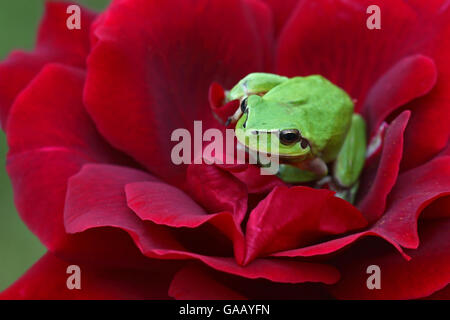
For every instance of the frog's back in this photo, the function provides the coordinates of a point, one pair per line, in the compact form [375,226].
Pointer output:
[322,111]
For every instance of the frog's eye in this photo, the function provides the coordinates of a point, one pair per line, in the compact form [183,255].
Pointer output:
[290,136]
[244,105]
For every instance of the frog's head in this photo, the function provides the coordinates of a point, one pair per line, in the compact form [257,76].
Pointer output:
[308,116]
[264,120]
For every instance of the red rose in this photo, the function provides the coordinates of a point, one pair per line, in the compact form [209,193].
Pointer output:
[89,113]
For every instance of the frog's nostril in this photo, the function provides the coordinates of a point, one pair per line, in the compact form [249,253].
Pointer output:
[304,143]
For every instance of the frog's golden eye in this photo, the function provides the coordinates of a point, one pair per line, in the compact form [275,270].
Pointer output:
[290,136]
[244,105]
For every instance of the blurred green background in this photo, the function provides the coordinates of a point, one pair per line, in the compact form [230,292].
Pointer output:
[19,248]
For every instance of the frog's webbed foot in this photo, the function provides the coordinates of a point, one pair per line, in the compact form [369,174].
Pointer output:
[292,174]
[346,193]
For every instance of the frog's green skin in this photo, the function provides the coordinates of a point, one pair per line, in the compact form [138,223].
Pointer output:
[313,121]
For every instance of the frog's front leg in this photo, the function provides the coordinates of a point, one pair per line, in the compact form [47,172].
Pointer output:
[291,174]
[303,172]
[350,160]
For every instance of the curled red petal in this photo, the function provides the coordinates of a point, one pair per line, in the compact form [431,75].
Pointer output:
[256,182]
[374,202]
[242,166]
[221,110]
[166,205]
[293,217]
[439,208]
[217,190]
[411,77]
[414,190]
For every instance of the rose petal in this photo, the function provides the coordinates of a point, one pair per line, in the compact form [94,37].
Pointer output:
[96,198]
[39,180]
[413,191]
[150,77]
[41,119]
[217,190]
[443,294]
[428,270]
[411,77]
[55,43]
[317,40]
[278,271]
[47,280]
[255,181]
[292,217]
[439,208]
[331,247]
[163,204]
[445,151]
[196,283]
[167,205]
[282,12]
[242,166]
[50,137]
[374,202]
[428,131]
[221,110]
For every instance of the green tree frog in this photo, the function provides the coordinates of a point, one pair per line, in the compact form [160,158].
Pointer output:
[320,138]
